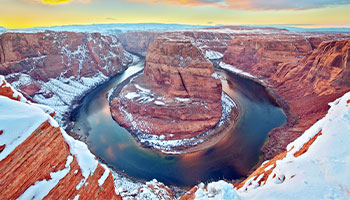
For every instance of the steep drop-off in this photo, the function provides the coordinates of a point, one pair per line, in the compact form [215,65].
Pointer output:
[177,97]
[316,161]
[54,68]
[38,160]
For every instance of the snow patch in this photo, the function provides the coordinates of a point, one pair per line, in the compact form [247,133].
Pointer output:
[215,75]
[86,160]
[236,70]
[18,121]
[210,54]
[41,188]
[104,176]
[319,173]
[217,190]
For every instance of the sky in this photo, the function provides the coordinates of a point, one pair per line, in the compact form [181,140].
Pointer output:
[298,13]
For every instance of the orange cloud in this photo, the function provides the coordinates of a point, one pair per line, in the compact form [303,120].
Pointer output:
[57,2]
[253,4]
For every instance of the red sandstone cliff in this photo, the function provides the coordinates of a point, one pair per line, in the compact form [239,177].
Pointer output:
[52,54]
[55,68]
[59,54]
[39,160]
[303,86]
[137,42]
[43,153]
[178,95]
[307,87]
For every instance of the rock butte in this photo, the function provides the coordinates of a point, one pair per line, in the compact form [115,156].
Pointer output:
[178,95]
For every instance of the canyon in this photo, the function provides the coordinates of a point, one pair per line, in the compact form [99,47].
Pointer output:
[304,72]
[303,87]
[56,68]
[177,97]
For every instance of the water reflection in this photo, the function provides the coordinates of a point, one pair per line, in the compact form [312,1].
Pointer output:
[231,158]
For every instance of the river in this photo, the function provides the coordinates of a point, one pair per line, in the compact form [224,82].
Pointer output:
[231,158]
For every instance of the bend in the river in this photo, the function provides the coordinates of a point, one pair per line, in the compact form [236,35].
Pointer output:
[230,158]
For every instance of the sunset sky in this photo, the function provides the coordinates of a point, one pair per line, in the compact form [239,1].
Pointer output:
[300,13]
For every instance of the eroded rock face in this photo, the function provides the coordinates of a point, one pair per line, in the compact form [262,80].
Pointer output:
[178,96]
[48,164]
[262,55]
[56,68]
[41,155]
[60,54]
[304,86]
[137,42]
[307,87]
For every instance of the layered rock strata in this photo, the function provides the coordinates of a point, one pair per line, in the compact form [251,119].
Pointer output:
[302,86]
[177,97]
[38,160]
[305,164]
[55,68]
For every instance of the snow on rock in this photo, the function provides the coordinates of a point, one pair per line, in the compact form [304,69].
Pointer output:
[217,190]
[18,121]
[215,75]
[150,190]
[60,72]
[86,160]
[236,70]
[104,176]
[8,91]
[64,91]
[41,188]
[210,54]
[168,146]
[108,28]
[315,166]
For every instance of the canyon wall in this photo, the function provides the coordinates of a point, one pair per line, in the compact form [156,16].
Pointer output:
[137,42]
[55,68]
[300,69]
[306,89]
[317,98]
[38,160]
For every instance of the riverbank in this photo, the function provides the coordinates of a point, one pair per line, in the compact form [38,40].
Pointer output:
[230,114]
[68,116]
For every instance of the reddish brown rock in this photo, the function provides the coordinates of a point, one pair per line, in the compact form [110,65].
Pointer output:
[303,86]
[177,94]
[48,55]
[207,39]
[44,152]
[261,54]
[137,42]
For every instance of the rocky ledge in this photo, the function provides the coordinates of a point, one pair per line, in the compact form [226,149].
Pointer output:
[57,68]
[178,97]
[303,87]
